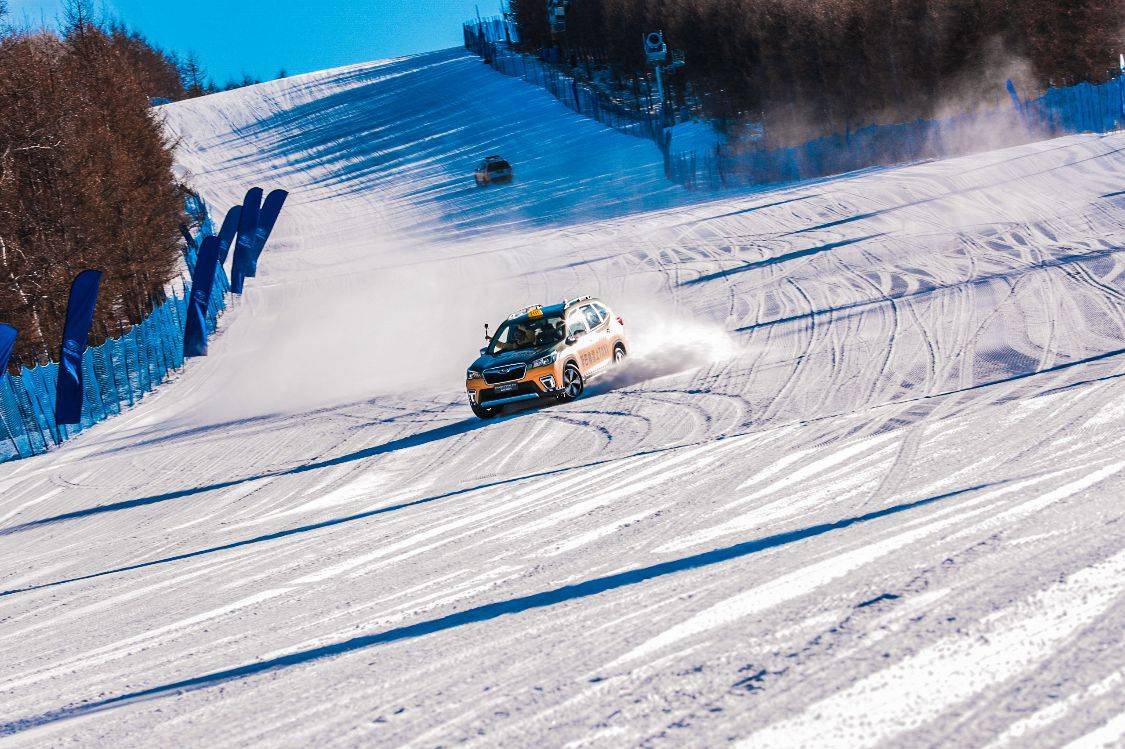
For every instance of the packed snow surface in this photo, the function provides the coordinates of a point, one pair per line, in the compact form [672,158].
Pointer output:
[859,484]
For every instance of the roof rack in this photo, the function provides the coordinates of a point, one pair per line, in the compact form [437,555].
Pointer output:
[526,311]
[565,303]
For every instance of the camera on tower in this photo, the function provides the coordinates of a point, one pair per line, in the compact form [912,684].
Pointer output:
[656,51]
[556,15]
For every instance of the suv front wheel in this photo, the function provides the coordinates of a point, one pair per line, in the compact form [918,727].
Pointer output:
[572,383]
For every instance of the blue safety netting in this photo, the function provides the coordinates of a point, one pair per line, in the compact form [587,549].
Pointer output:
[116,374]
[1084,108]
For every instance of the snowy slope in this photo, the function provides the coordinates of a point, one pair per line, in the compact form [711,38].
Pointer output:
[859,484]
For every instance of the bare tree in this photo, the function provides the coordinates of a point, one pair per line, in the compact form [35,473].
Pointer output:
[85,182]
[158,71]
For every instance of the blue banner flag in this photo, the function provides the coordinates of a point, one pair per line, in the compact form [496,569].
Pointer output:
[76,335]
[1015,95]
[227,232]
[244,247]
[266,220]
[7,343]
[1020,110]
[195,330]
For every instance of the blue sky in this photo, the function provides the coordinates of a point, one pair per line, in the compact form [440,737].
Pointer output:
[260,37]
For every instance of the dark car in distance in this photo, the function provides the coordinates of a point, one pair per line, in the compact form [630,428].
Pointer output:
[493,170]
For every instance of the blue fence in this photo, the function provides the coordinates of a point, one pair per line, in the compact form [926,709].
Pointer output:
[1074,109]
[116,374]
[636,112]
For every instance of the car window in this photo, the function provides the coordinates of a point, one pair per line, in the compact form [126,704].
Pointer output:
[601,308]
[497,166]
[575,323]
[525,333]
[593,319]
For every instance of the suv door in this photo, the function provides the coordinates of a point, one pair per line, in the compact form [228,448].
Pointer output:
[576,325]
[599,336]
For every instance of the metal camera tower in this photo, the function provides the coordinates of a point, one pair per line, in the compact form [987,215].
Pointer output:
[656,55]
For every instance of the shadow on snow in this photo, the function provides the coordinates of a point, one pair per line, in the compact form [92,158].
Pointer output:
[414,129]
[414,440]
[485,612]
[796,254]
[276,535]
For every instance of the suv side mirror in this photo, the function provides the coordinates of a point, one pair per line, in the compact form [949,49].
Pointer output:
[483,350]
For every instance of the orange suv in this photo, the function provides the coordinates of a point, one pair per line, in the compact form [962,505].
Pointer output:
[545,352]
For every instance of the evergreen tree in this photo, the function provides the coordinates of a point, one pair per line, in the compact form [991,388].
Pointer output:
[192,76]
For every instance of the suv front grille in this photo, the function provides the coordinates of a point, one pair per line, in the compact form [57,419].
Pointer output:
[506,373]
[524,388]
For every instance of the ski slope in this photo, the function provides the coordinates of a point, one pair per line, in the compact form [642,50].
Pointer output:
[859,484]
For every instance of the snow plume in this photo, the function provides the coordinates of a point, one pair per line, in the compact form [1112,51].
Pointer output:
[347,338]
[401,319]
[978,109]
[662,342]
[982,87]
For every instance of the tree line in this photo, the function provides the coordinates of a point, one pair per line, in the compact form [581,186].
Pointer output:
[810,67]
[86,178]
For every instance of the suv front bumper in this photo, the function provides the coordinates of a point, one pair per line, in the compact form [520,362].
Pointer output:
[541,382]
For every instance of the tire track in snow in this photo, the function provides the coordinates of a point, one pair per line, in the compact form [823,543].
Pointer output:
[895,700]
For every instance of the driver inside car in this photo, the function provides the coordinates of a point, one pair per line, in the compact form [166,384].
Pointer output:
[545,335]
[524,337]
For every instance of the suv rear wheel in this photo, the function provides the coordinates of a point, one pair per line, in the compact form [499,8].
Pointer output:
[572,383]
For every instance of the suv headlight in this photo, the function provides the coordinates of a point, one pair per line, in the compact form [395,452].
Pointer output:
[472,374]
[544,361]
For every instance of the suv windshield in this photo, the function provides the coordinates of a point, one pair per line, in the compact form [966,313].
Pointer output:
[497,166]
[527,334]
